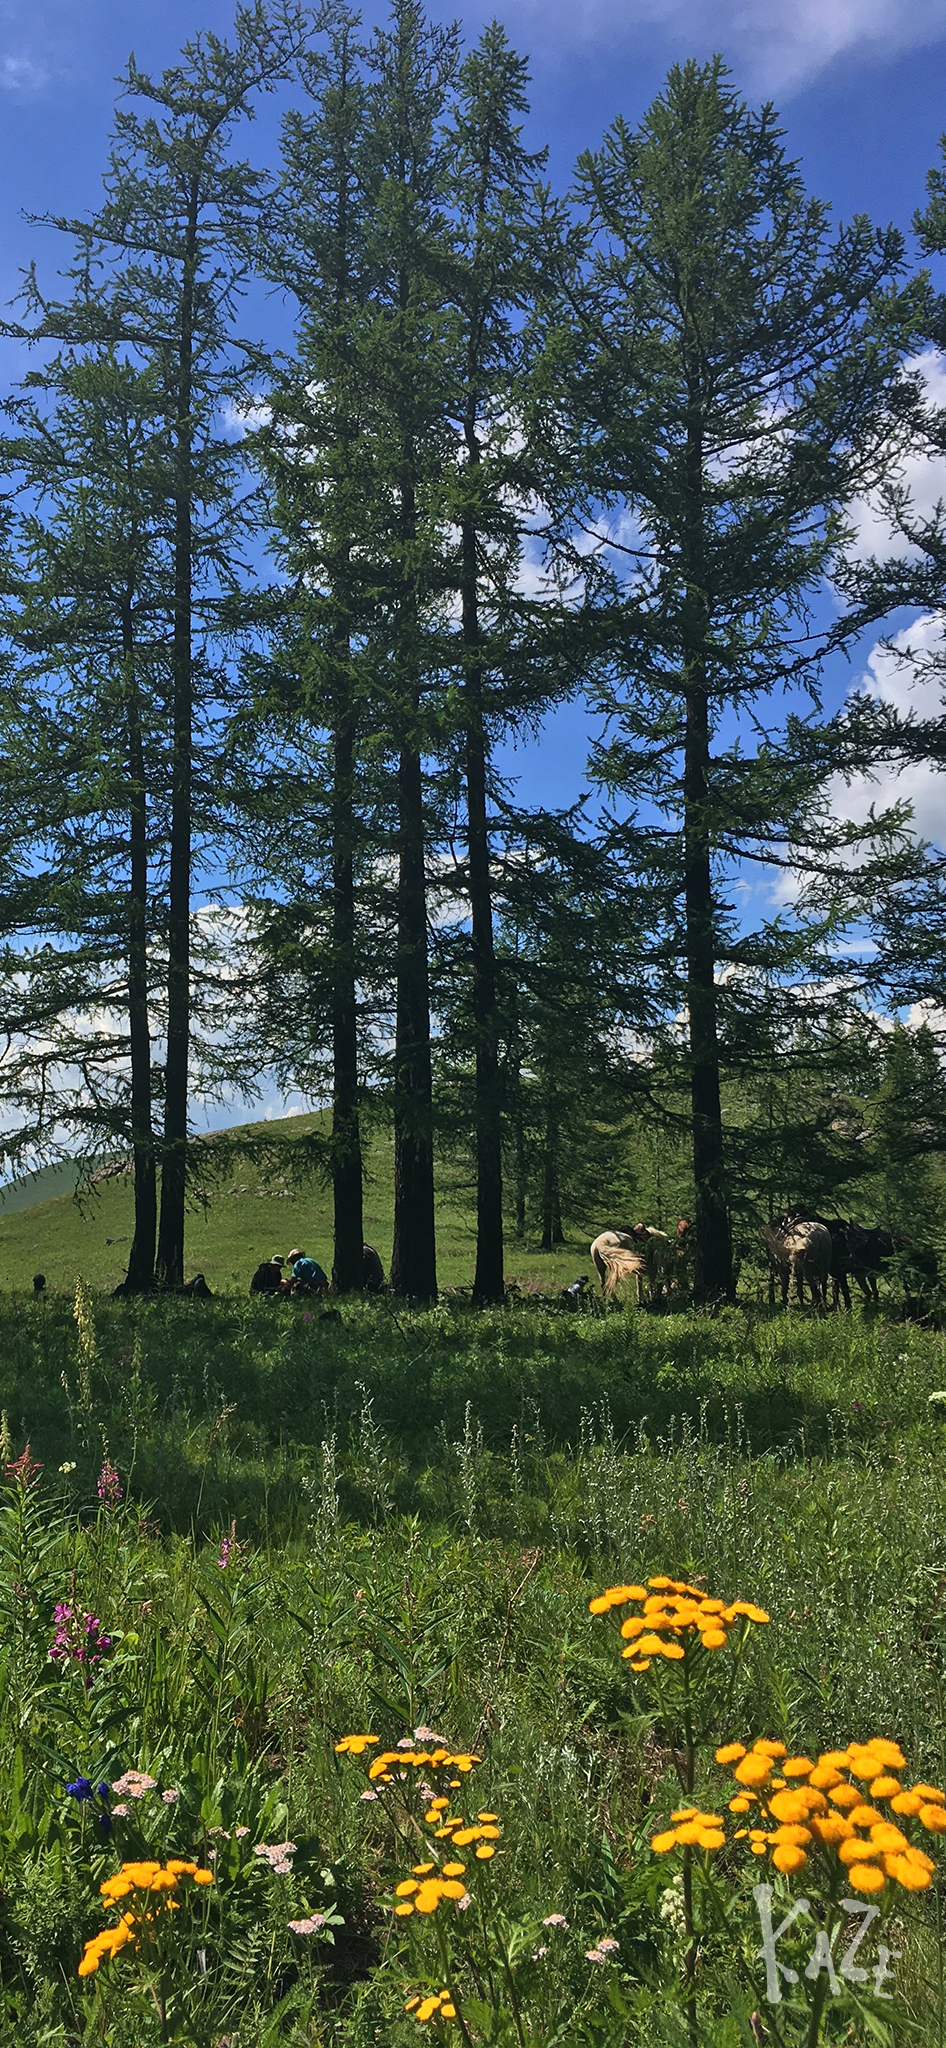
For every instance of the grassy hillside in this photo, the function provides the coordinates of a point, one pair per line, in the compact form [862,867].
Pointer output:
[249,1213]
[42,1186]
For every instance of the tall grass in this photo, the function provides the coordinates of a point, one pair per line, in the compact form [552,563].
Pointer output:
[423,1505]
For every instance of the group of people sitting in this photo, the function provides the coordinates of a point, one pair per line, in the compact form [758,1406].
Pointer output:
[294,1275]
[297,1275]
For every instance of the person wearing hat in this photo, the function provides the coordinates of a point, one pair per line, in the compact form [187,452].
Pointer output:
[267,1278]
[307,1274]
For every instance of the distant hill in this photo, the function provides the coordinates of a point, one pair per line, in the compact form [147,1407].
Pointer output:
[40,1186]
[251,1209]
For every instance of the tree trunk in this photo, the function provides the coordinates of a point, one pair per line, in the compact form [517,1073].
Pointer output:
[347,1179]
[551,1200]
[413,1258]
[513,1093]
[520,1144]
[170,1263]
[348,1267]
[139,1278]
[488,1282]
[713,1278]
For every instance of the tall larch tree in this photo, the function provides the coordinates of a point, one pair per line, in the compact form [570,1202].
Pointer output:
[179,227]
[89,621]
[313,453]
[492,179]
[733,378]
[407,361]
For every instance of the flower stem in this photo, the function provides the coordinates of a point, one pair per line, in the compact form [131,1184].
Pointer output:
[689,1967]
[817,2008]
[450,1982]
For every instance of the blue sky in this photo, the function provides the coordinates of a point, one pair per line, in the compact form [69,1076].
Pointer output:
[860,82]
[861,85]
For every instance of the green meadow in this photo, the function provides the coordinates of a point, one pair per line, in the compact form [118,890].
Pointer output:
[262,1200]
[394,1520]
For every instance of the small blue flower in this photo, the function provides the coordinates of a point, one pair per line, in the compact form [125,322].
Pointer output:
[103,1822]
[104,1792]
[81,1790]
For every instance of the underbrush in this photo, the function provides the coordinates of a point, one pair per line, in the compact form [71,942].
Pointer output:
[287,1531]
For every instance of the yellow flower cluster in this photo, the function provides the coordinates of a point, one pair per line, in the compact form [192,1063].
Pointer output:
[438,2005]
[145,1882]
[355,1745]
[107,1943]
[451,1827]
[423,1892]
[821,1805]
[673,1616]
[691,1828]
[398,1762]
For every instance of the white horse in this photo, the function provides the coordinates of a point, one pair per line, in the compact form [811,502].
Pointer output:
[642,1254]
[802,1250]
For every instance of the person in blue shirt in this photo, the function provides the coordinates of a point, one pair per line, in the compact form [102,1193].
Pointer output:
[307,1274]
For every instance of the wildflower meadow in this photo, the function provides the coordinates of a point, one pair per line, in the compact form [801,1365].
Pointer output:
[519,1679]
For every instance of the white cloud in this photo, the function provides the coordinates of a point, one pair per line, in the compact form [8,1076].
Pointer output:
[241,420]
[22,74]
[929,1014]
[778,44]
[909,673]
[922,476]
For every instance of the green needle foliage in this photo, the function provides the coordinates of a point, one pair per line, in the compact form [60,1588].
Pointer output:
[88,763]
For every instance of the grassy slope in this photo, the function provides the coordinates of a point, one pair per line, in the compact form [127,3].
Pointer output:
[42,1186]
[247,1217]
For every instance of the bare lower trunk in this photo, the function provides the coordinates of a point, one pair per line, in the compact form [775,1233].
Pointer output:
[413,1258]
[347,1177]
[713,1274]
[513,1092]
[140,1275]
[551,1193]
[488,1282]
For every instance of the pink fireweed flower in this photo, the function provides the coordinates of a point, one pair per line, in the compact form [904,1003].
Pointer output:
[230,1550]
[24,1470]
[109,1487]
[78,1639]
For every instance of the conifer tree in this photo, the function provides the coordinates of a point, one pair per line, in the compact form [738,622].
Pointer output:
[406,362]
[907,1115]
[83,742]
[314,453]
[731,377]
[179,218]
[492,177]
